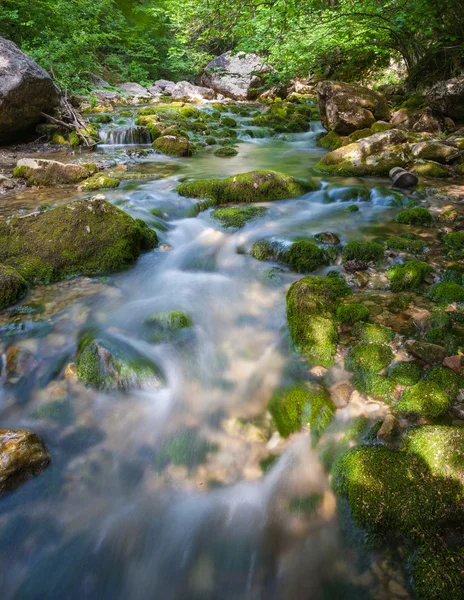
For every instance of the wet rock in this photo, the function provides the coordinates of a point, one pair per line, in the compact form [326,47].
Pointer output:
[22,455]
[26,90]
[454,363]
[235,75]
[183,90]
[108,363]
[433,151]
[327,237]
[341,394]
[20,363]
[447,98]
[387,428]
[374,155]
[99,181]
[13,287]
[70,372]
[345,108]
[403,179]
[84,237]
[431,354]
[353,266]
[50,172]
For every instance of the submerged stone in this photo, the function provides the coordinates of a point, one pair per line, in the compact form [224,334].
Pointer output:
[165,326]
[238,217]
[22,455]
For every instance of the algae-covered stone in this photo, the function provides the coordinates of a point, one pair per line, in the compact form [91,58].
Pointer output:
[363,251]
[368,357]
[455,240]
[437,573]
[405,373]
[448,380]
[165,326]
[415,216]
[374,155]
[13,287]
[225,151]
[406,244]
[303,256]
[311,306]
[376,386]
[447,292]
[429,168]
[409,275]
[108,363]
[39,171]
[22,455]
[291,408]
[425,398]
[433,151]
[331,141]
[238,217]
[84,237]
[373,332]
[394,491]
[99,181]
[172,145]
[257,186]
[348,314]
[184,448]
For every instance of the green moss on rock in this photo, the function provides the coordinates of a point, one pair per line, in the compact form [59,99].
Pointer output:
[257,186]
[311,306]
[99,181]
[110,364]
[448,380]
[455,240]
[376,386]
[409,275]
[13,287]
[363,251]
[172,145]
[238,217]
[85,237]
[225,151]
[446,292]
[429,168]
[289,408]
[164,326]
[50,172]
[424,399]
[367,357]
[349,314]
[373,332]
[437,573]
[405,373]
[415,216]
[405,244]
[184,448]
[331,141]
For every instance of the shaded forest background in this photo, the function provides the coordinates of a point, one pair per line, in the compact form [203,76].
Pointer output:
[144,40]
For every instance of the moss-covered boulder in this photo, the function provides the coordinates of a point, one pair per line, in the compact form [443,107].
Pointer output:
[303,256]
[238,217]
[449,381]
[13,287]
[311,313]
[431,354]
[99,181]
[373,332]
[455,240]
[349,314]
[172,145]
[167,326]
[405,373]
[437,572]
[39,171]
[152,123]
[257,186]
[374,155]
[406,244]
[367,252]
[22,455]
[373,385]
[446,292]
[225,152]
[424,399]
[368,357]
[415,216]
[429,168]
[409,275]
[108,363]
[395,492]
[434,151]
[85,237]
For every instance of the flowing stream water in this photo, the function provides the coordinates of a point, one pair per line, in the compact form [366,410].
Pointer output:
[110,518]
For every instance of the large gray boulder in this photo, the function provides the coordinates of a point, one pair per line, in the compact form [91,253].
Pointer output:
[235,75]
[26,90]
[183,90]
[345,108]
[447,98]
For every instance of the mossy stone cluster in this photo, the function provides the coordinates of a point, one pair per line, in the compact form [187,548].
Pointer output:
[312,303]
[257,186]
[109,364]
[286,117]
[51,172]
[238,217]
[99,181]
[85,237]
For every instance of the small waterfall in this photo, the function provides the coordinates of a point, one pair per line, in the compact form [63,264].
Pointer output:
[125,136]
